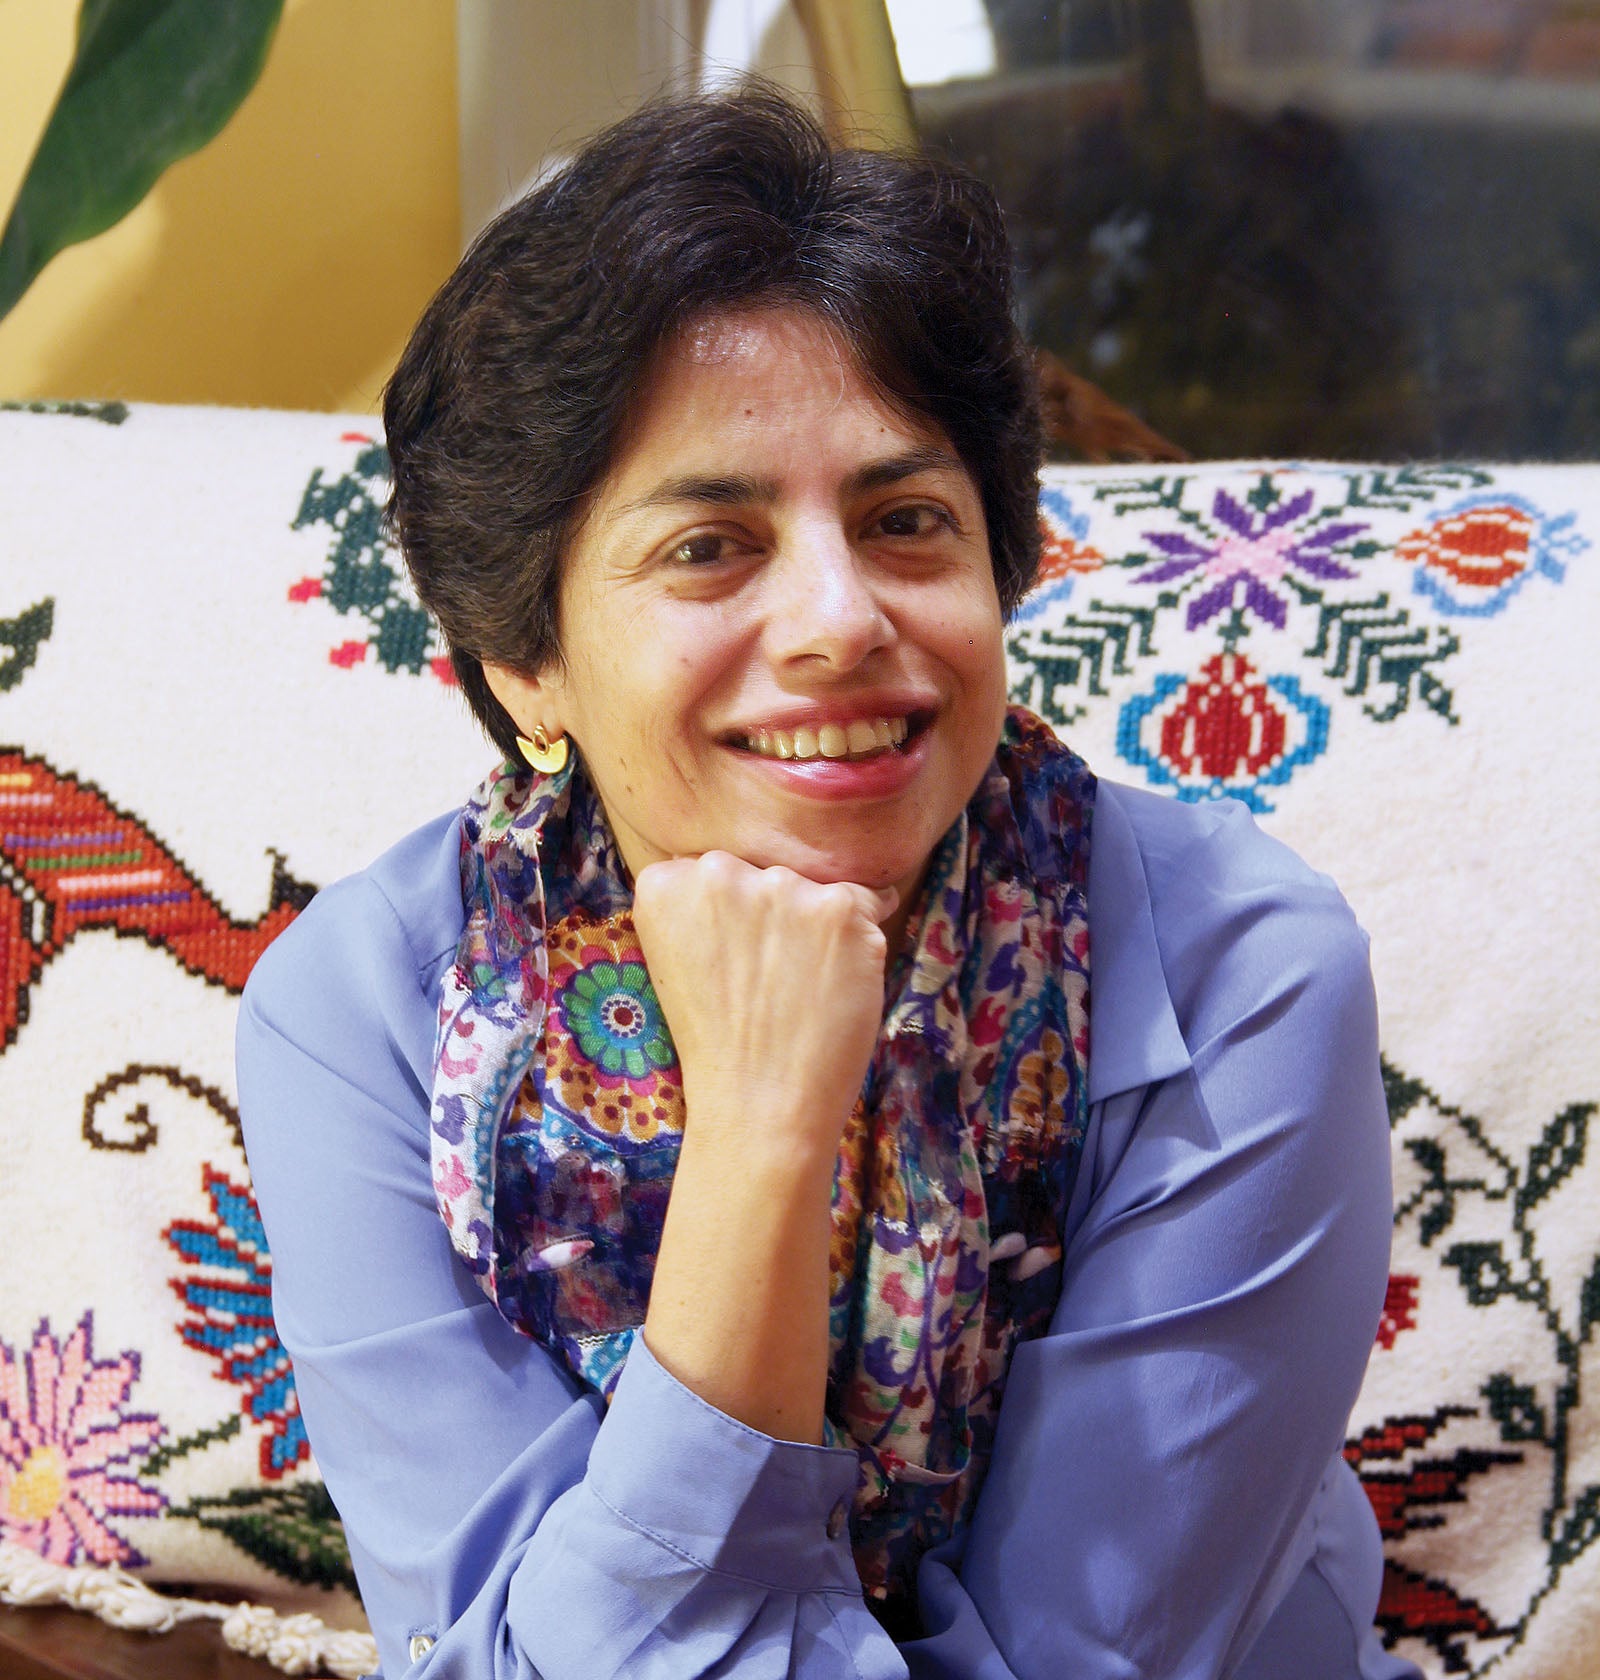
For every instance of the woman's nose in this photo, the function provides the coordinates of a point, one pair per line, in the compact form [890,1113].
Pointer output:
[824,605]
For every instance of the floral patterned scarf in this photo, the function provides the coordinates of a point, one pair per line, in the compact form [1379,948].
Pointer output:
[558,1113]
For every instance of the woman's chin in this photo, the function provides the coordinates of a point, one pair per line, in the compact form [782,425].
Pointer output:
[868,861]
[873,821]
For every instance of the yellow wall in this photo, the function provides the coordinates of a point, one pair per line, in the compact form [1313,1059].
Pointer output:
[284,264]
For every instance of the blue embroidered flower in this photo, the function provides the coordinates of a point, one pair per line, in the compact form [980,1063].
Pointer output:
[611,1009]
[229,1296]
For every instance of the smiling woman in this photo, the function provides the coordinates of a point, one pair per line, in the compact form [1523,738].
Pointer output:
[779,568]
[756,1273]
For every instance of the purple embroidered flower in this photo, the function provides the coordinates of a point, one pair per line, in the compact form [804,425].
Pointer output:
[229,1296]
[1249,556]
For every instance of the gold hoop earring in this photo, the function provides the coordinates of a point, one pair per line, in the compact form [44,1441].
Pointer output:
[546,756]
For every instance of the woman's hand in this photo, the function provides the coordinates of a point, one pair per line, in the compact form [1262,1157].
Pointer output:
[773,988]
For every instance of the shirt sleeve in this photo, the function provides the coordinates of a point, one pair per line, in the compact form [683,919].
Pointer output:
[1164,1454]
[491,1506]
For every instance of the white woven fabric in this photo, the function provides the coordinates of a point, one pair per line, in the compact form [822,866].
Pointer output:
[1421,644]
[194,711]
[230,672]
[295,1644]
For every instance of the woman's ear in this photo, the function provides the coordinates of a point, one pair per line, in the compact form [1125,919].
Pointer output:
[532,701]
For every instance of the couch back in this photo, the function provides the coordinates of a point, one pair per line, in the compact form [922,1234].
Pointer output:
[216,693]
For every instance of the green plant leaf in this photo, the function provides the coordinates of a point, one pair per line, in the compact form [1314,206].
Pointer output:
[1580,1530]
[170,1452]
[1403,1095]
[150,82]
[1589,1301]
[1515,1407]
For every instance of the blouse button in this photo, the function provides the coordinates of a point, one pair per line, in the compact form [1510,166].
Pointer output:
[421,1644]
[836,1519]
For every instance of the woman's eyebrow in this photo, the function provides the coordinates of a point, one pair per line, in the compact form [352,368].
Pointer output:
[724,490]
[927,457]
[740,490]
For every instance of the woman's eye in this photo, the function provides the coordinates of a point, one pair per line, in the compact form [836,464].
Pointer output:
[704,548]
[913,520]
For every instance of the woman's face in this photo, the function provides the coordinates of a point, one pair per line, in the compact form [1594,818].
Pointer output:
[779,627]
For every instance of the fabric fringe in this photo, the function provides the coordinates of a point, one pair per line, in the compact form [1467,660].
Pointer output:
[299,1644]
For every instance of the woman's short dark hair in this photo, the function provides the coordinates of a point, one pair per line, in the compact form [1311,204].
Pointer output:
[505,411]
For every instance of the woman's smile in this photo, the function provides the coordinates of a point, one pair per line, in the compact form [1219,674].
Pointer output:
[780,628]
[856,740]
[835,761]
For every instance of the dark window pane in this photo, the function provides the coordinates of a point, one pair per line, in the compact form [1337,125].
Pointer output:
[1362,228]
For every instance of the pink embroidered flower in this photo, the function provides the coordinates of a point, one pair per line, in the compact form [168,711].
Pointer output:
[64,1434]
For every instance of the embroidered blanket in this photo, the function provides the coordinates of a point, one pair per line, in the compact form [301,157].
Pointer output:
[216,692]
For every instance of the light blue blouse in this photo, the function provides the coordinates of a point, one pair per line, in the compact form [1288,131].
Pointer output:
[1166,1498]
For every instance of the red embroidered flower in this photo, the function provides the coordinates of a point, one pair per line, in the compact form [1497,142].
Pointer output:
[1472,558]
[1482,547]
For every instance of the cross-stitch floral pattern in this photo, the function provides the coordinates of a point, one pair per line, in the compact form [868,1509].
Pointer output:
[1409,1482]
[1248,558]
[1518,1430]
[228,1293]
[1226,730]
[1393,664]
[1472,558]
[1063,554]
[1196,568]
[70,1446]
[364,575]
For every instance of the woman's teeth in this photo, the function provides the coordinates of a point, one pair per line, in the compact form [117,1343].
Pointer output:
[861,739]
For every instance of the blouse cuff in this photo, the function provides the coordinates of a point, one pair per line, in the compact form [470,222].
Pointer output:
[718,1493]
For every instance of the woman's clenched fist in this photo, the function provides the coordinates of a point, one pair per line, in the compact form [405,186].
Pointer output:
[773,988]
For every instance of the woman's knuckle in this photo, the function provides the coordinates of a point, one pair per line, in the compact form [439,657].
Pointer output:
[840,899]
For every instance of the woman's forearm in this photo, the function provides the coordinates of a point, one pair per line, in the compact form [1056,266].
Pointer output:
[773,987]
[739,1303]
